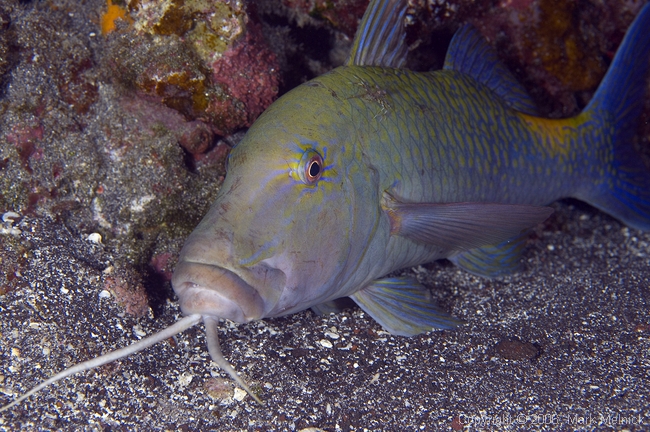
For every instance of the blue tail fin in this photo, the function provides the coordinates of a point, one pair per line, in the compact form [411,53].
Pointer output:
[625,194]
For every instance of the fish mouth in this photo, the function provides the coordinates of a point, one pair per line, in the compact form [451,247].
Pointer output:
[208,289]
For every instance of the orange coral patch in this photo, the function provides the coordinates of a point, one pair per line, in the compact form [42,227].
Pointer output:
[113,12]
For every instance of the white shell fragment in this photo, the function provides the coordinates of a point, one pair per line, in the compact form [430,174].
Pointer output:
[185,379]
[326,343]
[8,219]
[332,335]
[95,238]
[138,332]
[240,394]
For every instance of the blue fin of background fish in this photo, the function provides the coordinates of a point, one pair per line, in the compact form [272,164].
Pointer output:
[619,102]
[493,261]
[470,54]
[403,306]
[380,38]
[464,225]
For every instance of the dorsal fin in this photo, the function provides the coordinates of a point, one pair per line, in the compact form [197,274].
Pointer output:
[470,54]
[380,38]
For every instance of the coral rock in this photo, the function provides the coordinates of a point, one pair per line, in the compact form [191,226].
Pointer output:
[203,59]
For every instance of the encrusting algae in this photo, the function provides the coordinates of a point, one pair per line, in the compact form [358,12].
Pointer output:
[198,57]
[113,13]
[556,40]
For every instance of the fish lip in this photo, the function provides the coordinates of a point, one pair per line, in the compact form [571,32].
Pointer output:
[212,290]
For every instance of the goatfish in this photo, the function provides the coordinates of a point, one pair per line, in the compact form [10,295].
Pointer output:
[371,168]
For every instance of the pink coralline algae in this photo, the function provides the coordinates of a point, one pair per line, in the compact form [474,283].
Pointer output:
[343,15]
[126,286]
[163,265]
[25,139]
[249,72]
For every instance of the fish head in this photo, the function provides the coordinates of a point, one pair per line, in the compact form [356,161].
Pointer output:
[288,226]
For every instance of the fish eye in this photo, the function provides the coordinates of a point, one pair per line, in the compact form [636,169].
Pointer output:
[314,168]
[311,167]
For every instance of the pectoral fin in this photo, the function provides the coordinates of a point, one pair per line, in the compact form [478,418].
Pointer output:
[402,306]
[463,225]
